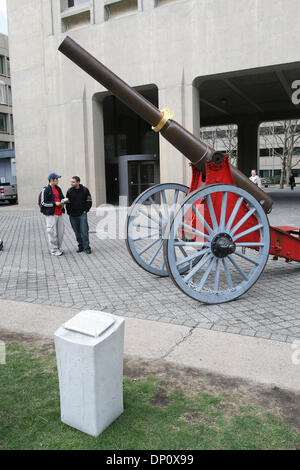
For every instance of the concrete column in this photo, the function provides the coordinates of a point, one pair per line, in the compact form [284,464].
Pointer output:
[183,101]
[248,146]
[56,8]
[123,180]
[190,120]
[145,5]
[98,11]
[97,162]
[47,11]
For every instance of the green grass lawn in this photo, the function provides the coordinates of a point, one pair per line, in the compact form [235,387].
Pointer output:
[158,414]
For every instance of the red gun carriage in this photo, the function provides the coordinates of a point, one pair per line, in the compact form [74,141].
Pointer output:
[213,239]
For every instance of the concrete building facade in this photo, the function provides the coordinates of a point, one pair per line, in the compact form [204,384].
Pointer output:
[6,116]
[7,153]
[213,62]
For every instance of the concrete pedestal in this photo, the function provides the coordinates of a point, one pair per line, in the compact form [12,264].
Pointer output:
[89,351]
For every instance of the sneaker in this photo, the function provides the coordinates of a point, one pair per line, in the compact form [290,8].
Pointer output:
[88,251]
[79,250]
[57,253]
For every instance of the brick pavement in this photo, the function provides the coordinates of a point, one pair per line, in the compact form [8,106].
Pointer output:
[109,280]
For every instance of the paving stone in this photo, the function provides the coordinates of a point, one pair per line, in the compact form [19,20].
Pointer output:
[232,329]
[246,332]
[276,337]
[264,335]
[219,328]
[109,280]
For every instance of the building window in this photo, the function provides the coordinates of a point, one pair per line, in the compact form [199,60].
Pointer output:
[3,145]
[73,3]
[3,122]
[3,97]
[8,66]
[11,124]
[118,8]
[1,65]
[9,95]
[75,14]
[265,152]
[159,3]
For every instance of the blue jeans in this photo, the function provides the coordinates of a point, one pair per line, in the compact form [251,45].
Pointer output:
[81,229]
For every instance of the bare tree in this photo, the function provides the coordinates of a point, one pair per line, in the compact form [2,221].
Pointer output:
[223,139]
[282,138]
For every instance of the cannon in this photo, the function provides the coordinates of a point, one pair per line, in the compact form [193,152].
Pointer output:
[213,239]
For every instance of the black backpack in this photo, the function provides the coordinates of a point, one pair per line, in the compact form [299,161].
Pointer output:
[40,202]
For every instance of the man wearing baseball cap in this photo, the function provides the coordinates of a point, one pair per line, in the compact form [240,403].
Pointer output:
[53,208]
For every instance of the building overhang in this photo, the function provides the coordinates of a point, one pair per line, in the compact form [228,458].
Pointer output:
[264,94]
[7,153]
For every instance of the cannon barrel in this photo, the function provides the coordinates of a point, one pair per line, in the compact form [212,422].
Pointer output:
[190,146]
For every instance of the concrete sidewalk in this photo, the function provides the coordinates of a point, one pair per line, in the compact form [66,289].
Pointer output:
[254,359]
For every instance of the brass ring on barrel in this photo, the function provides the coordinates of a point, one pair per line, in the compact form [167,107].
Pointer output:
[166,115]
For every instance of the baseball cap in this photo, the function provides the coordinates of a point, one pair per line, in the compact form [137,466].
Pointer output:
[53,176]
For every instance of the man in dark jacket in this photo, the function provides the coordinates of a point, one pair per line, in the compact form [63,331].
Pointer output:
[79,204]
[292,181]
[53,208]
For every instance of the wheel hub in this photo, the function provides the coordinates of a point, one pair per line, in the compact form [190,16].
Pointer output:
[222,245]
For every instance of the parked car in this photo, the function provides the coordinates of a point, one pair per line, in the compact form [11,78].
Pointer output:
[8,192]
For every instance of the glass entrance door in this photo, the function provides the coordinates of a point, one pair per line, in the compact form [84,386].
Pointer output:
[141,176]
